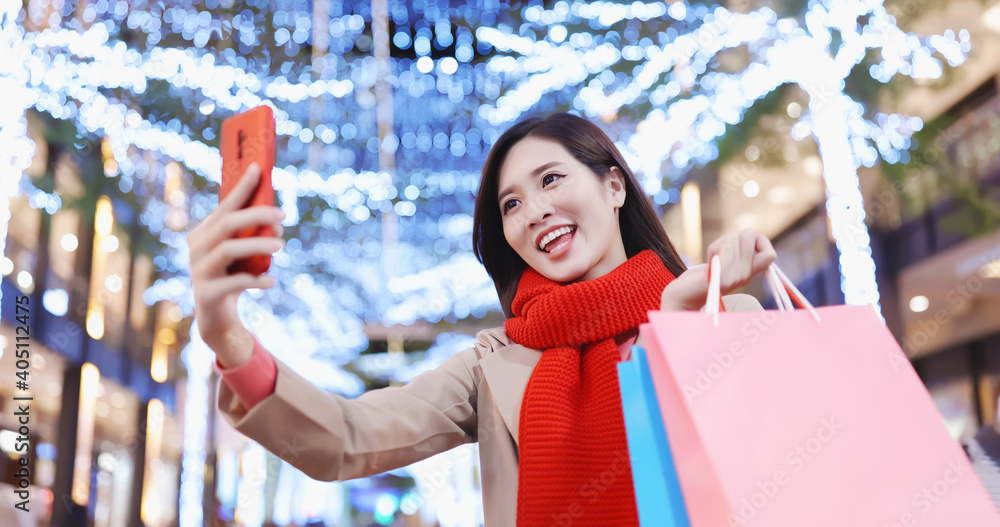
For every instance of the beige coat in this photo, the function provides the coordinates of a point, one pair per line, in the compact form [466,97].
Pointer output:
[474,396]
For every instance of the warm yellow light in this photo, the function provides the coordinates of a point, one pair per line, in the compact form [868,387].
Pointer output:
[172,183]
[794,110]
[154,429]
[919,304]
[691,218]
[167,336]
[111,168]
[176,198]
[106,152]
[991,18]
[138,315]
[991,269]
[104,219]
[747,220]
[173,194]
[95,321]
[110,244]
[148,511]
[158,367]
[781,195]
[90,380]
[173,172]
[813,166]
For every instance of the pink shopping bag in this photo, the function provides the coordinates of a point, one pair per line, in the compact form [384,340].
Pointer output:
[778,420]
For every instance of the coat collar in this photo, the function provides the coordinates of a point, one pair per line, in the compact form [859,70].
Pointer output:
[507,370]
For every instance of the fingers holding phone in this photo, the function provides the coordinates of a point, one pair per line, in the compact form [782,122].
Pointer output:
[230,222]
[214,255]
[224,225]
[212,250]
[230,250]
[237,198]
[209,276]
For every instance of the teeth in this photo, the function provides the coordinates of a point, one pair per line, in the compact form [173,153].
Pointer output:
[553,235]
[560,246]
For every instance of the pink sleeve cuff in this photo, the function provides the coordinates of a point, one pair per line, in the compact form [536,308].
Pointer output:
[253,381]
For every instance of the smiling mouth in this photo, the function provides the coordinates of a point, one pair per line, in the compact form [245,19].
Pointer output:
[557,239]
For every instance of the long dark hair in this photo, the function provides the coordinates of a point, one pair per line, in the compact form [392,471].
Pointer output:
[640,226]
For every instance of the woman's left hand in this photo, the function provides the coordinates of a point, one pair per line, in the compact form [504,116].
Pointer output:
[743,256]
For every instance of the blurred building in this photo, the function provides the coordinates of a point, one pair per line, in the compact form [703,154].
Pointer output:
[105,434]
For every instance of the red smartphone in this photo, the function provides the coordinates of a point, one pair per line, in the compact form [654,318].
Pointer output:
[247,138]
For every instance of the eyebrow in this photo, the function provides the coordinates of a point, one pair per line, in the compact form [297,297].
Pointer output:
[537,172]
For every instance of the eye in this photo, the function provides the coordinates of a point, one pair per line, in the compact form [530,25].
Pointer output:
[546,180]
[508,204]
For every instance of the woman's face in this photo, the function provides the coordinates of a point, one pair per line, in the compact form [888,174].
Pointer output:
[557,215]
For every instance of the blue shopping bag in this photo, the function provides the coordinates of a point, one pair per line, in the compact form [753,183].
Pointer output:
[657,490]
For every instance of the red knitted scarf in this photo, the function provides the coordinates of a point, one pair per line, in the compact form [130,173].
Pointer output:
[574,463]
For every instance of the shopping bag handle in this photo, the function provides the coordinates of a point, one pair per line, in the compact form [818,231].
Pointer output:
[786,295]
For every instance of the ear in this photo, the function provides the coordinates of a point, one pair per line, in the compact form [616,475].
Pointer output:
[616,186]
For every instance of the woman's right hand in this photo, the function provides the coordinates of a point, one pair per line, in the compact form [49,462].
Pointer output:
[743,255]
[212,249]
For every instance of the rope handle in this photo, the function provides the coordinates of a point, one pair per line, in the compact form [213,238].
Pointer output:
[786,295]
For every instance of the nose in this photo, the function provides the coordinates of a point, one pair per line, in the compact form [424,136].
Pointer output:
[538,209]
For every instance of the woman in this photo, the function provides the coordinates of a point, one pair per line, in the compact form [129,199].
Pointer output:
[578,257]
